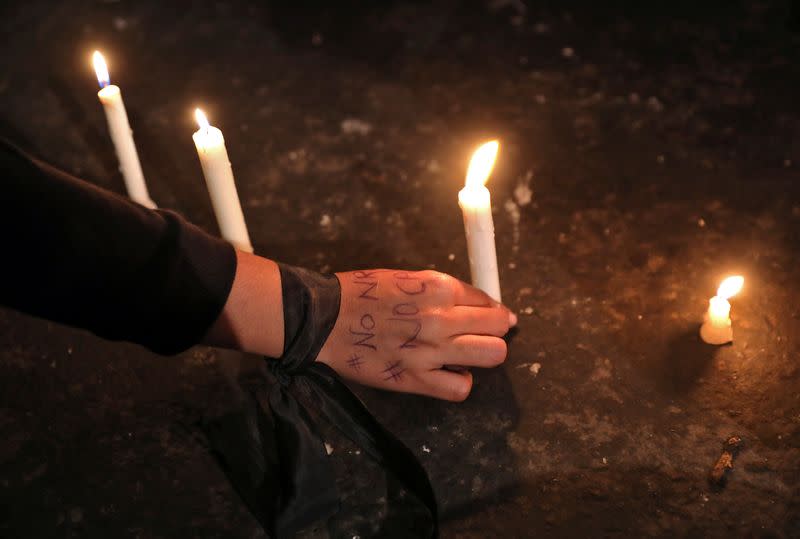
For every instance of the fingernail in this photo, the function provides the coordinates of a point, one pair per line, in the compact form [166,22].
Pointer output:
[512,319]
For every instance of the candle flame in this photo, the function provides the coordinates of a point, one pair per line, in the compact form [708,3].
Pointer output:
[730,286]
[202,121]
[101,69]
[480,166]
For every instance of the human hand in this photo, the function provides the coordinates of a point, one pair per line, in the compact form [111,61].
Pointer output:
[397,330]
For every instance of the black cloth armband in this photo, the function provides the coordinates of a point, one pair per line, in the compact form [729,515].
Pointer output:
[300,488]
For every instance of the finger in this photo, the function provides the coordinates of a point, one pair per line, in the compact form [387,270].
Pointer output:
[463,320]
[475,351]
[448,385]
[468,295]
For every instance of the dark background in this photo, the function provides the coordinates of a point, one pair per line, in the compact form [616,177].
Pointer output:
[661,144]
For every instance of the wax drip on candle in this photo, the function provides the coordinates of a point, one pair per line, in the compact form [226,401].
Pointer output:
[101,69]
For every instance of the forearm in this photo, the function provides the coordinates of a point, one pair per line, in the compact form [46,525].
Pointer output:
[252,319]
[82,256]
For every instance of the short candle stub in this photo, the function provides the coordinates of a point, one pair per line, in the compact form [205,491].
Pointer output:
[717,328]
[718,333]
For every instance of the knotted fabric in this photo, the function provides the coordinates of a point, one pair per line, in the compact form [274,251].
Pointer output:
[296,487]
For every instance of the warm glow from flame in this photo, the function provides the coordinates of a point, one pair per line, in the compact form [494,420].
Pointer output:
[730,286]
[200,116]
[719,310]
[101,69]
[480,166]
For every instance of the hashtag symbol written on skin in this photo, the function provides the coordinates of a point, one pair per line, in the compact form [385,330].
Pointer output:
[355,362]
[393,371]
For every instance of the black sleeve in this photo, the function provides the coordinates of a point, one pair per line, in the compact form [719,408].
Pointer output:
[80,255]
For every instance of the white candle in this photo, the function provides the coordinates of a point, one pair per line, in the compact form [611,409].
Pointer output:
[121,134]
[476,206]
[716,328]
[218,173]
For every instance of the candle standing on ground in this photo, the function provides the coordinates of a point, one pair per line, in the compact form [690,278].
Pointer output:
[716,328]
[121,134]
[218,173]
[476,206]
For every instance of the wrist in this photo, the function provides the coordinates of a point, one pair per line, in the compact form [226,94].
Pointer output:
[252,319]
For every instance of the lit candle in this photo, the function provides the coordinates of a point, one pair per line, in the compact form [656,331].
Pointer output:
[217,170]
[716,328]
[121,134]
[475,202]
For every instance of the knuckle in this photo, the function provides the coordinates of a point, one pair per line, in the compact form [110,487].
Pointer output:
[429,276]
[436,278]
[442,285]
